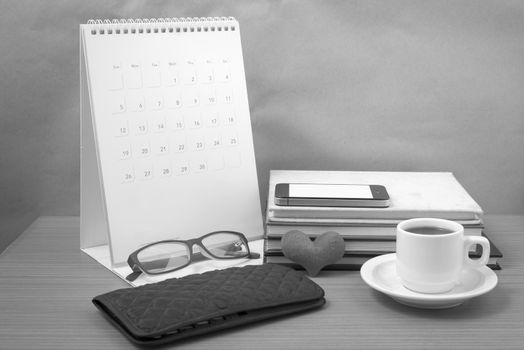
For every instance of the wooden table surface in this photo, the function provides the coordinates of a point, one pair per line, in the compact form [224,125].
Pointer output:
[47,283]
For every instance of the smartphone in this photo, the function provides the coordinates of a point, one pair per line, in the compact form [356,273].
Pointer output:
[331,195]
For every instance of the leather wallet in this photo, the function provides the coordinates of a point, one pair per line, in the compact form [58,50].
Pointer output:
[179,308]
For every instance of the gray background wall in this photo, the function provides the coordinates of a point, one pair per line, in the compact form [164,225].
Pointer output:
[342,85]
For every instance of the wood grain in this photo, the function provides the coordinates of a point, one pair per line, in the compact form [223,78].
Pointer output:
[46,286]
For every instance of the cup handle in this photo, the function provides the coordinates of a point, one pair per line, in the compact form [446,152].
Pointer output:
[483,260]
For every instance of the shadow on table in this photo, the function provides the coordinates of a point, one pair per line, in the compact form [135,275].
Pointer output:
[497,301]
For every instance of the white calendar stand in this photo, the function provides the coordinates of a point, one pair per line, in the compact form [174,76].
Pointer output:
[166,141]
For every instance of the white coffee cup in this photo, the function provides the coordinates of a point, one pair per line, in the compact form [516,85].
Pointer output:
[431,253]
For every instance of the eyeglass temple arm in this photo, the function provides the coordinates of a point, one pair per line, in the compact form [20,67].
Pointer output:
[136,270]
[133,276]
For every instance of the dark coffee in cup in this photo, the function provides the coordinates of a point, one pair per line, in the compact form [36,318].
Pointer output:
[429,230]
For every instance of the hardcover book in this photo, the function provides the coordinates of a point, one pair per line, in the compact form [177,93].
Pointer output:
[412,194]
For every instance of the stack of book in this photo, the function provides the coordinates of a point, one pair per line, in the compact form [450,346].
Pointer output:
[369,232]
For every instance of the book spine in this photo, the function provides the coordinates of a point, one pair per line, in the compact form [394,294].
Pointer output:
[270,220]
[350,232]
[336,213]
[334,267]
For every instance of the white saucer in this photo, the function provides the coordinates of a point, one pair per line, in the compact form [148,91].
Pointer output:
[380,273]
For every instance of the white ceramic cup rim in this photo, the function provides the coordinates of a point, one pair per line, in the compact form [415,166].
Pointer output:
[430,222]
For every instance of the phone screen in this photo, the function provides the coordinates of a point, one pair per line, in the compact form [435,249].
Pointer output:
[330,191]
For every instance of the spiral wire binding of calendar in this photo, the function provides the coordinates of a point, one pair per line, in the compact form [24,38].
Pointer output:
[161,25]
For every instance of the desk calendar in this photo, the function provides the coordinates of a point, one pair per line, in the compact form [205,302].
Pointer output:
[166,149]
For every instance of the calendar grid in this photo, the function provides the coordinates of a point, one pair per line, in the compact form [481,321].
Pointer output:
[182,118]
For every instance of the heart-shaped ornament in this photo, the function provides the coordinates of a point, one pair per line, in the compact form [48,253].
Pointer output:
[327,249]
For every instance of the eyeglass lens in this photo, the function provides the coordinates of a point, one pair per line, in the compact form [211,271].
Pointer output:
[163,257]
[225,245]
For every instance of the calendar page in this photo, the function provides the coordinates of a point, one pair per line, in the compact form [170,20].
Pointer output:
[171,123]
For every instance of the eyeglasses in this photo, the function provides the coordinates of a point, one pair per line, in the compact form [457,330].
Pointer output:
[171,255]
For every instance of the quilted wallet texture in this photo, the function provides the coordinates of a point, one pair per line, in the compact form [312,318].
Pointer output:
[178,308]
